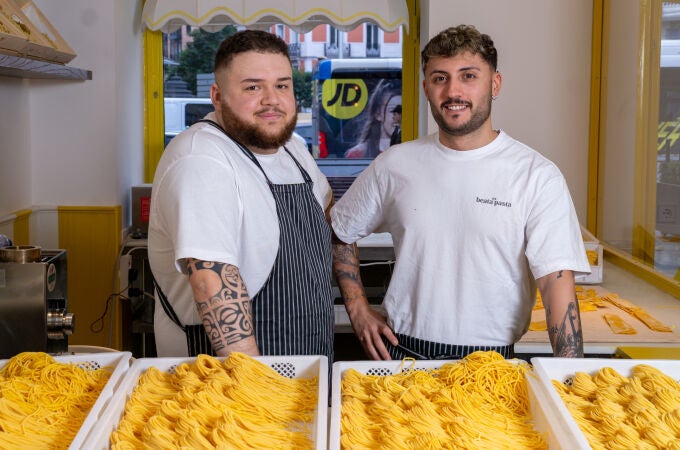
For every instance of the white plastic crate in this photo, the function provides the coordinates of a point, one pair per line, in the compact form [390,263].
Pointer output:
[289,366]
[119,361]
[537,396]
[590,242]
[563,370]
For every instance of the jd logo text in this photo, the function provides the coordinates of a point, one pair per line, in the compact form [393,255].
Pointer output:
[344,98]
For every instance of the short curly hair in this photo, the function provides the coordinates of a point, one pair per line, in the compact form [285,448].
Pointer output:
[463,38]
[249,40]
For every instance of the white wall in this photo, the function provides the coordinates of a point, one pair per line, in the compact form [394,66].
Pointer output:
[544,50]
[77,142]
[15,151]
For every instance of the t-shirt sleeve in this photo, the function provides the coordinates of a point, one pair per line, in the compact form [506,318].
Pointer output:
[200,206]
[358,213]
[553,233]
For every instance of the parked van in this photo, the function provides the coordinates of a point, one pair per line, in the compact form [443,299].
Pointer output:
[341,98]
[181,113]
[347,95]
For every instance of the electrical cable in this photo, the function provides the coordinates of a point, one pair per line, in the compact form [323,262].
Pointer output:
[116,275]
[378,263]
[93,326]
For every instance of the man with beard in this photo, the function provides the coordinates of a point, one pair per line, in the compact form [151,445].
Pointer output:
[239,242]
[478,220]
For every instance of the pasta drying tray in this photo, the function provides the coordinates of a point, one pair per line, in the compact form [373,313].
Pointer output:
[537,396]
[118,361]
[563,370]
[288,366]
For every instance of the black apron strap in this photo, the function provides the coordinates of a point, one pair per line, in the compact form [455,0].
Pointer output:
[197,339]
[167,307]
[253,158]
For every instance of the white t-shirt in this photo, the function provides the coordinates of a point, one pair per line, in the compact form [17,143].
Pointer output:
[470,230]
[210,202]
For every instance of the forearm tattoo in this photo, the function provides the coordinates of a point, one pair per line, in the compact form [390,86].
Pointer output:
[226,315]
[567,337]
[346,271]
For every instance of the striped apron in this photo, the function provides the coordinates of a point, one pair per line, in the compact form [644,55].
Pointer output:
[410,347]
[293,312]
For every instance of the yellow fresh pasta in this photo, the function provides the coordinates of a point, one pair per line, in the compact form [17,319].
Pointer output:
[618,325]
[636,311]
[538,325]
[592,257]
[479,402]
[651,322]
[616,412]
[240,403]
[43,403]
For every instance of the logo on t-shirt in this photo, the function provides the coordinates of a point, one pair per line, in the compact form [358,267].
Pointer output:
[493,202]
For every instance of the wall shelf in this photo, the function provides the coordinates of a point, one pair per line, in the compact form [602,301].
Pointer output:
[16,66]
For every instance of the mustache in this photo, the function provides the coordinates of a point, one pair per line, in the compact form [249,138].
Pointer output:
[454,102]
[271,109]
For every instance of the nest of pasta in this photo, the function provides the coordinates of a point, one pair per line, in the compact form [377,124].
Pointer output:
[481,401]
[239,403]
[43,403]
[617,412]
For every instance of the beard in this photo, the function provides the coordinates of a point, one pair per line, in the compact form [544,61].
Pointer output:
[252,135]
[479,116]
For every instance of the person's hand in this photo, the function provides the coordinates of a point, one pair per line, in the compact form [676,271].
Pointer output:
[369,326]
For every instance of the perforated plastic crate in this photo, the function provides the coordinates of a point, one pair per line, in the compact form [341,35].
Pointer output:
[288,366]
[564,369]
[119,362]
[537,396]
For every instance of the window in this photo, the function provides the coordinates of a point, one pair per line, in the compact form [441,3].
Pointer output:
[635,176]
[372,41]
[349,107]
[667,257]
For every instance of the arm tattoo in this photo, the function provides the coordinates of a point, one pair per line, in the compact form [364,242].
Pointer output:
[226,315]
[346,271]
[344,255]
[567,338]
[559,274]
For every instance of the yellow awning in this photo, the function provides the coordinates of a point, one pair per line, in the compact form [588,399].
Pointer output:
[300,15]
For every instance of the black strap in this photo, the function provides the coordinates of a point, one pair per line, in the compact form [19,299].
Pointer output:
[167,307]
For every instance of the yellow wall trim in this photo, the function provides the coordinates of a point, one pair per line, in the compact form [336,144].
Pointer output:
[646,135]
[22,234]
[598,98]
[410,73]
[641,270]
[154,121]
[92,239]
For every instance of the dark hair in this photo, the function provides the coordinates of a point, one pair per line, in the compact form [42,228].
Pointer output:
[249,40]
[463,38]
[372,130]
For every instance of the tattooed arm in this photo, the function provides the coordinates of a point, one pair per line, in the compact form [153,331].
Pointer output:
[223,304]
[367,323]
[562,313]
